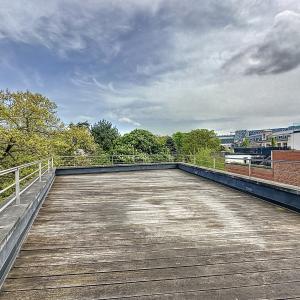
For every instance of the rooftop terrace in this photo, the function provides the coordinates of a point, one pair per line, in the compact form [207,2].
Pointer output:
[156,234]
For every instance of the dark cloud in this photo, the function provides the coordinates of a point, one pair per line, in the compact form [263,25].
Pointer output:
[277,52]
[157,63]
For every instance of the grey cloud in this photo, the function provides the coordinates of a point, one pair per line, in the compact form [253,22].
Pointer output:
[277,52]
[71,25]
[166,69]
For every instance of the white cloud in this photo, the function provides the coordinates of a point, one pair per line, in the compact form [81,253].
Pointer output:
[128,121]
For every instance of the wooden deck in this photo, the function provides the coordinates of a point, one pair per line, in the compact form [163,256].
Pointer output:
[156,235]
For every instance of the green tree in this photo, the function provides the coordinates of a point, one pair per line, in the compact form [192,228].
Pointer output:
[198,139]
[105,134]
[170,144]
[140,141]
[245,143]
[27,123]
[84,124]
[178,138]
[273,141]
[73,140]
[30,129]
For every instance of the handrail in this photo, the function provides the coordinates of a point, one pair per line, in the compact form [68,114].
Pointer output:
[213,162]
[43,166]
[3,172]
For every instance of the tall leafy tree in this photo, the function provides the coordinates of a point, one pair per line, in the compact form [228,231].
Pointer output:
[198,139]
[178,138]
[84,124]
[170,144]
[27,123]
[73,140]
[105,134]
[30,129]
[140,141]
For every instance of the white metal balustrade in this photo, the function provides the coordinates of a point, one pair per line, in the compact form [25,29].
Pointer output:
[18,184]
[21,184]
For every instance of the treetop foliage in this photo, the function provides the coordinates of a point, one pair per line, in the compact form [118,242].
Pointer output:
[105,134]
[27,112]
[198,139]
[30,129]
[141,141]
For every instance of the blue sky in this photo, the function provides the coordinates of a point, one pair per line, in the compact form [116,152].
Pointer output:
[157,64]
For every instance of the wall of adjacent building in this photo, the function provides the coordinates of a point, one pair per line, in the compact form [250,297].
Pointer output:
[285,168]
[294,141]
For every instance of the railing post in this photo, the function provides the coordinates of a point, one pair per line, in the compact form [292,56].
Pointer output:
[49,165]
[40,171]
[52,162]
[17,182]
[214,162]
[249,167]
[194,159]
[112,160]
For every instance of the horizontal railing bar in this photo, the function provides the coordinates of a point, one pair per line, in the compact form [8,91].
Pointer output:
[187,156]
[4,172]
[29,175]
[7,188]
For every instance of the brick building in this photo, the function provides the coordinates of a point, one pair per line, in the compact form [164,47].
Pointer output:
[285,168]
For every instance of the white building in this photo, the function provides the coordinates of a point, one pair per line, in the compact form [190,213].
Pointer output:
[242,159]
[294,140]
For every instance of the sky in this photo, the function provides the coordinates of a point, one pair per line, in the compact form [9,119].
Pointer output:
[162,65]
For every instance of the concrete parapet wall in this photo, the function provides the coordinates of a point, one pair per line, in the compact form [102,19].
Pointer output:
[280,194]
[115,168]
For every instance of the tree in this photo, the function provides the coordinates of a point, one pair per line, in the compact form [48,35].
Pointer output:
[245,143]
[273,141]
[140,141]
[198,139]
[28,112]
[84,124]
[73,140]
[105,134]
[170,144]
[30,130]
[178,138]
[27,123]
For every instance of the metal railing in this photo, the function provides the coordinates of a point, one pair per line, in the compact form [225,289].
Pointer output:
[280,171]
[105,160]
[249,165]
[15,181]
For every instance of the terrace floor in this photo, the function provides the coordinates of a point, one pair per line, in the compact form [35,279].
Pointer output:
[156,235]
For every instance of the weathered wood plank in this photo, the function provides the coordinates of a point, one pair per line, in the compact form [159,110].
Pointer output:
[156,235]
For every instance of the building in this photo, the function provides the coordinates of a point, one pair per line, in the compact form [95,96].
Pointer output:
[227,141]
[294,140]
[284,137]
